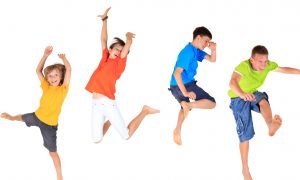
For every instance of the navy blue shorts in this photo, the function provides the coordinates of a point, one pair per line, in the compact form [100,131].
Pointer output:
[242,114]
[191,86]
[48,132]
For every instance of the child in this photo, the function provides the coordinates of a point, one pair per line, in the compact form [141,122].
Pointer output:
[183,85]
[102,84]
[247,77]
[55,85]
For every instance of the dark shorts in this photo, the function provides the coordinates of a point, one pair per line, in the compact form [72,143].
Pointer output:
[242,114]
[48,132]
[191,86]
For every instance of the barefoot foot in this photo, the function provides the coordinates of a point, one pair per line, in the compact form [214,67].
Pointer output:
[6,116]
[150,110]
[275,125]
[177,137]
[246,174]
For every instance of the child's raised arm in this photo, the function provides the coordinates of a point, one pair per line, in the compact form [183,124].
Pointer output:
[288,70]
[104,29]
[39,68]
[213,56]
[125,50]
[68,69]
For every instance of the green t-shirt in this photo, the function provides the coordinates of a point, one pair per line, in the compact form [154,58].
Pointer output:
[251,79]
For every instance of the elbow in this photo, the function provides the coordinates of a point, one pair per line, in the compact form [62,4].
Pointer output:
[230,84]
[38,70]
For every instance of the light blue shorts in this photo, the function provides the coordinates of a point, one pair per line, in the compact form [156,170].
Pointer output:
[242,113]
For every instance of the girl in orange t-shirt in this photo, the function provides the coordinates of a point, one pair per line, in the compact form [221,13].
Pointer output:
[102,84]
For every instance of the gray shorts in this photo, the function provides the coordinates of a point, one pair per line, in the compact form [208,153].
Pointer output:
[48,132]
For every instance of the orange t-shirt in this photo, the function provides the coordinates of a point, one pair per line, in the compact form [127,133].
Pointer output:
[104,78]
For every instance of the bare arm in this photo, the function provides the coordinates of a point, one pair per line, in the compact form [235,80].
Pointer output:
[288,70]
[39,68]
[213,56]
[125,50]
[68,69]
[235,87]
[177,75]
[104,29]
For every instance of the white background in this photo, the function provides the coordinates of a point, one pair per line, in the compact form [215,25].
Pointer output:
[210,144]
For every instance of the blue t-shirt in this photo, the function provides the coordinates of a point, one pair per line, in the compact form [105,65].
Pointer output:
[188,60]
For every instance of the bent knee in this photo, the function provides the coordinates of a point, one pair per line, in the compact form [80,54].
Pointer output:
[263,102]
[213,105]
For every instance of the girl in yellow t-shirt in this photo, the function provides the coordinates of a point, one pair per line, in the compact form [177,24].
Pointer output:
[55,85]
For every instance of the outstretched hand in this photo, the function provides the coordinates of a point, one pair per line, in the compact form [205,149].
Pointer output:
[190,95]
[130,35]
[48,50]
[105,13]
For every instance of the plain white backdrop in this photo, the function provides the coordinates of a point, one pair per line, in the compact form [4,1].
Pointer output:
[210,144]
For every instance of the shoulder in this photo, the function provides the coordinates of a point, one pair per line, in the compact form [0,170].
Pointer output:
[244,65]
[272,65]
[187,51]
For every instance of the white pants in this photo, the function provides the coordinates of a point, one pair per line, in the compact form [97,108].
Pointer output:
[105,108]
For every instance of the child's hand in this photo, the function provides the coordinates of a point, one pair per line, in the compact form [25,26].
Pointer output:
[212,46]
[248,97]
[130,35]
[48,50]
[190,95]
[62,56]
[105,13]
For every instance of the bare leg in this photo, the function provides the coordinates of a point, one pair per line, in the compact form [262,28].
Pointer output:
[272,123]
[244,150]
[12,118]
[186,106]
[57,164]
[135,123]
[177,130]
[106,127]
[202,104]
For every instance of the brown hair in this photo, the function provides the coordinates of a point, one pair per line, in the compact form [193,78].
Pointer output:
[116,41]
[60,67]
[259,49]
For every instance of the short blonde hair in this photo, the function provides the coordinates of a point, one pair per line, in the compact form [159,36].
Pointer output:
[61,69]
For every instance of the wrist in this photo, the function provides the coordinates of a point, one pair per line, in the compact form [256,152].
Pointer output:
[105,18]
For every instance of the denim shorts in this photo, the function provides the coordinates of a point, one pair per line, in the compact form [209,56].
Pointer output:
[48,132]
[242,113]
[191,86]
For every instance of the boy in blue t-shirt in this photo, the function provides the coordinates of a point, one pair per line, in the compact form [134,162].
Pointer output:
[183,85]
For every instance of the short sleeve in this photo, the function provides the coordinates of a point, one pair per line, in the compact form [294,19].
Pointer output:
[105,54]
[44,84]
[121,66]
[183,60]
[66,89]
[241,68]
[273,65]
[201,55]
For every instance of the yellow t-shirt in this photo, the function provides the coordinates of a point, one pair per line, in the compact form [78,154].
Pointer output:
[51,103]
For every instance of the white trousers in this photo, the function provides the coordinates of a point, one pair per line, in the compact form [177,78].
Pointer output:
[107,109]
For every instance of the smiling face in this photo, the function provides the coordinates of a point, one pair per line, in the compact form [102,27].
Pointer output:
[259,61]
[115,51]
[54,77]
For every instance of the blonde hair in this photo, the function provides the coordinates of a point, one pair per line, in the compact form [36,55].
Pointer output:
[61,69]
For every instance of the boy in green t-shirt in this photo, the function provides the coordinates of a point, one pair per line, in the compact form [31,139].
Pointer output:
[246,78]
